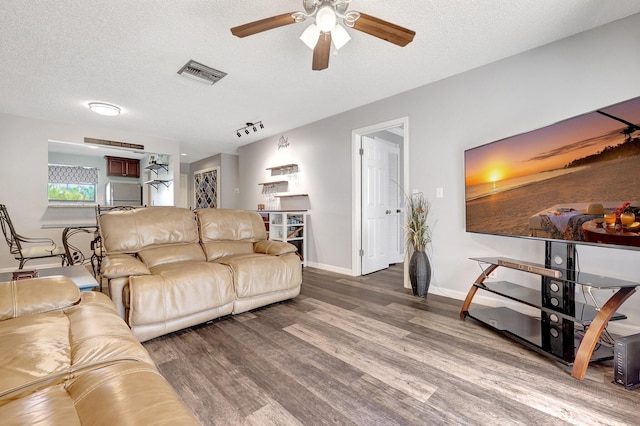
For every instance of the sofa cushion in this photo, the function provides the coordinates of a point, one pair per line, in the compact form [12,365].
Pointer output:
[172,253]
[128,393]
[27,297]
[44,349]
[52,403]
[134,230]
[123,265]
[225,232]
[178,289]
[257,274]
[33,348]
[274,248]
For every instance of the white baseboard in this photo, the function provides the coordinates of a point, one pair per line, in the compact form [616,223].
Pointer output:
[330,268]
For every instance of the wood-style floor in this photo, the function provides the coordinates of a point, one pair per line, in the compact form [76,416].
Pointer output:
[364,351]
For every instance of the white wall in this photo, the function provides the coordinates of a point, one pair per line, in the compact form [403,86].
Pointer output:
[531,90]
[23,172]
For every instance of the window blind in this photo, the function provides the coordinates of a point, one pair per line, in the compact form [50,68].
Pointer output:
[73,174]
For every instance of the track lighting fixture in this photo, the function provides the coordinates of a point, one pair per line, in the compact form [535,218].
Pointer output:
[252,126]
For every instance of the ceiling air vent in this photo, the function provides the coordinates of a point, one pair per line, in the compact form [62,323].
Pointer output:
[201,73]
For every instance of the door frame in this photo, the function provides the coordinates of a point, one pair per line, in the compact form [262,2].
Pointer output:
[356,179]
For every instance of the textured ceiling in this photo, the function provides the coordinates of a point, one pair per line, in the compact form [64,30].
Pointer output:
[56,56]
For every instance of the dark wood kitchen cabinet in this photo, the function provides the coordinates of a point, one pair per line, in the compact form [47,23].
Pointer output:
[123,167]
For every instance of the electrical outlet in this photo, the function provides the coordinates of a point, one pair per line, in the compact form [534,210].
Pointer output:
[493,276]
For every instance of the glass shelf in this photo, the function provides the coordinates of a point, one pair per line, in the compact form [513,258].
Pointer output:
[584,314]
[527,330]
[580,278]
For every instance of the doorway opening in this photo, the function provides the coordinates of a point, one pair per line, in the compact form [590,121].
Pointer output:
[380,164]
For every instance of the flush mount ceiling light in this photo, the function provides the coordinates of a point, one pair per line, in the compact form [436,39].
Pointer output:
[104,109]
[252,126]
[326,28]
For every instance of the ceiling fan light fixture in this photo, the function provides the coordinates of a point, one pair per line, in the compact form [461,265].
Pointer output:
[339,36]
[310,36]
[326,19]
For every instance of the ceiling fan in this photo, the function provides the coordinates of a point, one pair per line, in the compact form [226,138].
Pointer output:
[325,29]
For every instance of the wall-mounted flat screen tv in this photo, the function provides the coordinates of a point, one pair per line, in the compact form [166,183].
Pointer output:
[574,181]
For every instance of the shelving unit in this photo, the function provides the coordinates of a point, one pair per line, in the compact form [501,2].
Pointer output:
[284,169]
[157,182]
[566,330]
[274,183]
[279,189]
[155,167]
[287,226]
[288,195]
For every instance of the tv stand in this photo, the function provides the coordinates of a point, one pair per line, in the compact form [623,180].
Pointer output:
[565,330]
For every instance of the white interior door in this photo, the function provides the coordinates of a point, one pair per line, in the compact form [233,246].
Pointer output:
[380,218]
[395,231]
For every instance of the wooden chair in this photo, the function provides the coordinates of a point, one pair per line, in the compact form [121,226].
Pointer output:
[36,248]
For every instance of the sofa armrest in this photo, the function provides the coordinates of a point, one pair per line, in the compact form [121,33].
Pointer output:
[123,265]
[275,248]
[36,295]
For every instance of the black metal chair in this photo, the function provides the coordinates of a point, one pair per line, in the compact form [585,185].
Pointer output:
[26,248]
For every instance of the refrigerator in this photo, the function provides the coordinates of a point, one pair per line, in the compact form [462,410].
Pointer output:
[123,194]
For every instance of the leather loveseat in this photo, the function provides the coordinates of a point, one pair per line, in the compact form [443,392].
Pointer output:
[67,358]
[170,268]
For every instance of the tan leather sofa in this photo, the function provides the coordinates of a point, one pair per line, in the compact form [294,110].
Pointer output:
[67,358]
[170,268]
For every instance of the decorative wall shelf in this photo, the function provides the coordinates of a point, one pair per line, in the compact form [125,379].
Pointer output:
[287,195]
[278,182]
[157,182]
[156,166]
[285,169]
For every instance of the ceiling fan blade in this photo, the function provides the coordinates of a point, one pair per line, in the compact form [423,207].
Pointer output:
[321,52]
[385,30]
[263,25]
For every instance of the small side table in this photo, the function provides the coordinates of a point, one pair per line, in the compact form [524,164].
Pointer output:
[78,274]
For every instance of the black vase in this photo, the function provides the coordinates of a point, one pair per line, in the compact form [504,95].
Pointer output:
[420,273]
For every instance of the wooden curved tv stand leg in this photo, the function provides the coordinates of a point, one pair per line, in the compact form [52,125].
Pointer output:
[597,326]
[474,289]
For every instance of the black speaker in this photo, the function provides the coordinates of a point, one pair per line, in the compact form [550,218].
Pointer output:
[557,333]
[626,356]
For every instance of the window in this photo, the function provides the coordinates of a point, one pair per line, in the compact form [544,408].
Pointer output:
[72,183]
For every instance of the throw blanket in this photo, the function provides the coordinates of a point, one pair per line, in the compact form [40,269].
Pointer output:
[566,226]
